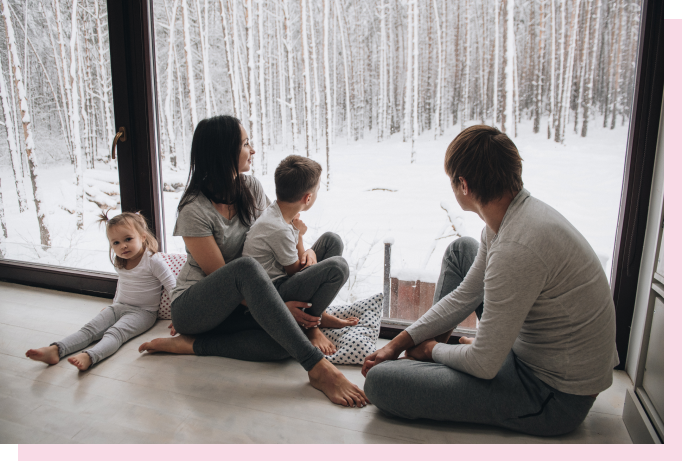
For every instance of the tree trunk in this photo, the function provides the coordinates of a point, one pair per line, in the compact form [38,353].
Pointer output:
[407,106]
[315,74]
[327,89]
[34,169]
[261,81]
[346,64]
[251,66]
[75,120]
[3,226]
[14,152]
[618,64]
[292,83]
[168,106]
[189,65]
[415,68]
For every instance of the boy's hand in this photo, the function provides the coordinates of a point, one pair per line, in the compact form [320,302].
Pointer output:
[309,258]
[300,225]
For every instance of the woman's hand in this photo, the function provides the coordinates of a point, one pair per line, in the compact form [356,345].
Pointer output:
[422,352]
[309,258]
[172,329]
[303,319]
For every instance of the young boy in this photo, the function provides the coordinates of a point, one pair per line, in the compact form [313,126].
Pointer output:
[275,240]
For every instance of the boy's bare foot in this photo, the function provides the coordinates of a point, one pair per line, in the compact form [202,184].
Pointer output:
[81,361]
[179,345]
[327,378]
[49,354]
[319,340]
[330,321]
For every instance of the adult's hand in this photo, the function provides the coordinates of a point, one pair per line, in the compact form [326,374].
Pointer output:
[309,258]
[383,354]
[422,352]
[303,319]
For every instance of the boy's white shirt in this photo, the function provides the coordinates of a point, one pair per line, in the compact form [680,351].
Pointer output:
[272,242]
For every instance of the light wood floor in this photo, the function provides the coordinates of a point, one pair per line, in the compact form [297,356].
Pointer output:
[133,398]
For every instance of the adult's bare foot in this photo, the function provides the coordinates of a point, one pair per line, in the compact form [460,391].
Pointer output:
[331,321]
[81,361]
[179,345]
[465,340]
[49,354]
[319,340]
[327,378]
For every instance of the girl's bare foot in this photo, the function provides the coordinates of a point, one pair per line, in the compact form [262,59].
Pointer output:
[49,354]
[319,340]
[327,378]
[81,361]
[178,345]
[330,321]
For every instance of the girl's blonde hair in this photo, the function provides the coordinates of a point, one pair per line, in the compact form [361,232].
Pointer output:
[137,222]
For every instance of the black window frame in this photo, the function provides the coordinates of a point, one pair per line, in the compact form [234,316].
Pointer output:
[131,34]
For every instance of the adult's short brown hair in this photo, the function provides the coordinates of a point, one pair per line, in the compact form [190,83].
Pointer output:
[487,159]
[296,176]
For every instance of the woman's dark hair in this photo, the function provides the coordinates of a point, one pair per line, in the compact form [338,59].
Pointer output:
[214,167]
[487,159]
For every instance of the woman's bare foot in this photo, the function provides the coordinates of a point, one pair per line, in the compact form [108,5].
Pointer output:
[49,354]
[319,340]
[178,345]
[81,361]
[330,321]
[465,340]
[327,378]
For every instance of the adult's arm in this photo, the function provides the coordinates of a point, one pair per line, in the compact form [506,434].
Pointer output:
[513,283]
[205,252]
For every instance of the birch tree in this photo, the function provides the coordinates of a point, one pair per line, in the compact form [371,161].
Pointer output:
[34,169]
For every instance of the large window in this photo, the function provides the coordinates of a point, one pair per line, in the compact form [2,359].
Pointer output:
[375,91]
[57,125]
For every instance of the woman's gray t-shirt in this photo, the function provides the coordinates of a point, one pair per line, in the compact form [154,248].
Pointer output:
[200,218]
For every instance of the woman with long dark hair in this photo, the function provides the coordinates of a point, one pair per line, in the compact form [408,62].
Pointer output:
[215,286]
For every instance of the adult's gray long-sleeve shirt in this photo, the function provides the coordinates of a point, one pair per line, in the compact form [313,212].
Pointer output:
[545,296]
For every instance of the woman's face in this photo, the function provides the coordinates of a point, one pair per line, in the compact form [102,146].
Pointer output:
[246,153]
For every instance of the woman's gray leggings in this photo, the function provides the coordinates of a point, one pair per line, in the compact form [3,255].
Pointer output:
[210,310]
[515,399]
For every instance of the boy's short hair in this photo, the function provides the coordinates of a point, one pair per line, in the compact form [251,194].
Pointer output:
[295,176]
[487,159]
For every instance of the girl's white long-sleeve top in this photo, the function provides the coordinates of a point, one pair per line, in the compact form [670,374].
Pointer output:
[142,285]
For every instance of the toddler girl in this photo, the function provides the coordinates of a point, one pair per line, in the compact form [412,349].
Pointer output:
[142,274]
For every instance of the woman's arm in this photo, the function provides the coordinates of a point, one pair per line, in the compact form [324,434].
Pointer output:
[205,252]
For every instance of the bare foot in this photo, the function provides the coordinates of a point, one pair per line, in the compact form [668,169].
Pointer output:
[49,354]
[319,340]
[81,361]
[330,321]
[465,340]
[327,378]
[178,345]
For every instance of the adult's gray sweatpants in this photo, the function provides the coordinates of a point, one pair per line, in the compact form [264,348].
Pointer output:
[515,399]
[210,309]
[113,326]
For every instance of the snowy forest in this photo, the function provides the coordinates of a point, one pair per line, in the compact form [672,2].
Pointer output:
[310,77]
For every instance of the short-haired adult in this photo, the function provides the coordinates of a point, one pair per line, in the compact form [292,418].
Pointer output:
[215,286]
[545,344]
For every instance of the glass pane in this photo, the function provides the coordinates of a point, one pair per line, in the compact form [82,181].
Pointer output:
[393,83]
[57,114]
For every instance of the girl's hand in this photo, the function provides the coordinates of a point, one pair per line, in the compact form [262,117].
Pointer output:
[303,319]
[172,329]
[309,258]
[300,225]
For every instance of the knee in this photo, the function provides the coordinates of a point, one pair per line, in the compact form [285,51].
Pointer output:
[334,240]
[462,246]
[339,268]
[248,266]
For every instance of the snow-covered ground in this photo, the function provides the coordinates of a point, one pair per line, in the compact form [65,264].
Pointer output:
[375,194]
